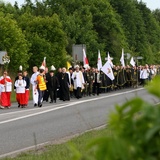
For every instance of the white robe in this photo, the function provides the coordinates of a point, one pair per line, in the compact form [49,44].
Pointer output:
[78,79]
[34,84]
[20,86]
[8,86]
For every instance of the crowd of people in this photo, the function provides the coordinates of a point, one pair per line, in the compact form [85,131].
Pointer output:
[72,83]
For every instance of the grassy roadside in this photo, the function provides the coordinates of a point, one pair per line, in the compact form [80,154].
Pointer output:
[61,151]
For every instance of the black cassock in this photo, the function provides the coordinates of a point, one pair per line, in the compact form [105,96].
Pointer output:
[53,84]
[64,86]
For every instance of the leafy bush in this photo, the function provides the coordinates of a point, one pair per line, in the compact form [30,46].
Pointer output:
[134,132]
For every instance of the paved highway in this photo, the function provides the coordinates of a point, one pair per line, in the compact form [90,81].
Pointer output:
[21,129]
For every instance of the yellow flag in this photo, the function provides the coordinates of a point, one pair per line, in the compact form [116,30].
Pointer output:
[68,65]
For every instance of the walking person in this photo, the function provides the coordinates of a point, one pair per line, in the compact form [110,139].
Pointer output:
[64,85]
[27,79]
[53,84]
[58,75]
[41,85]
[70,72]
[46,93]
[20,85]
[96,81]
[6,86]
[34,84]
[78,80]
[144,74]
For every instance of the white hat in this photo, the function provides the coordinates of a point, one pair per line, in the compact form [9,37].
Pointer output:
[20,68]
[76,66]
[53,68]
[42,67]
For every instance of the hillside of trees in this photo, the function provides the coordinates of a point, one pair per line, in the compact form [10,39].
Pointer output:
[50,28]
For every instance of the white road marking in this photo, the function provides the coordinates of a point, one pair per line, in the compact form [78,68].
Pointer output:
[33,109]
[68,105]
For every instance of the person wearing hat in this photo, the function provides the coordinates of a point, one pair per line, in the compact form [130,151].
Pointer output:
[6,88]
[34,84]
[53,85]
[64,85]
[41,85]
[78,80]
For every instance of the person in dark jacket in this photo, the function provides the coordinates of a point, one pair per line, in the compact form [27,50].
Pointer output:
[58,75]
[53,84]
[64,85]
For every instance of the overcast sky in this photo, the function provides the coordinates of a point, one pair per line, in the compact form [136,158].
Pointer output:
[152,4]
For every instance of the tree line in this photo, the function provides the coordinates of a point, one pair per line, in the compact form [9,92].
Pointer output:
[50,28]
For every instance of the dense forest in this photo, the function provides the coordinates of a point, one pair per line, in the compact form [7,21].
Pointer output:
[50,28]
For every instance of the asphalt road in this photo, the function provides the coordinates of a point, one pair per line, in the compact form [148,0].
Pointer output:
[23,129]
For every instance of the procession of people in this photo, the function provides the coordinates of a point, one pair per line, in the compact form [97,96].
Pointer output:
[74,82]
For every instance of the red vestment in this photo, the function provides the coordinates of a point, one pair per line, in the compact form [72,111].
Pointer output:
[26,96]
[6,87]
[20,97]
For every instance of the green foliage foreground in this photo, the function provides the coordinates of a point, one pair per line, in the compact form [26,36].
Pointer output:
[135,132]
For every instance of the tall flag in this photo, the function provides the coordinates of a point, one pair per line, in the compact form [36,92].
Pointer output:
[132,62]
[122,58]
[109,60]
[85,60]
[99,62]
[44,62]
[68,65]
[108,70]
[20,68]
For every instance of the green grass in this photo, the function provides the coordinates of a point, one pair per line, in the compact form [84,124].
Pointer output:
[61,151]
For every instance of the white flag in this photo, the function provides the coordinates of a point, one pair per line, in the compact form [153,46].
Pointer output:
[109,60]
[44,62]
[99,62]
[85,60]
[108,70]
[122,58]
[132,62]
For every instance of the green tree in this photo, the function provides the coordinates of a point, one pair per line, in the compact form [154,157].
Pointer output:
[107,24]
[13,41]
[152,33]
[47,39]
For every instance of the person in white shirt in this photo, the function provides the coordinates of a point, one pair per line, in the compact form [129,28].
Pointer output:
[78,81]
[34,85]
[144,74]
[6,88]
[20,85]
